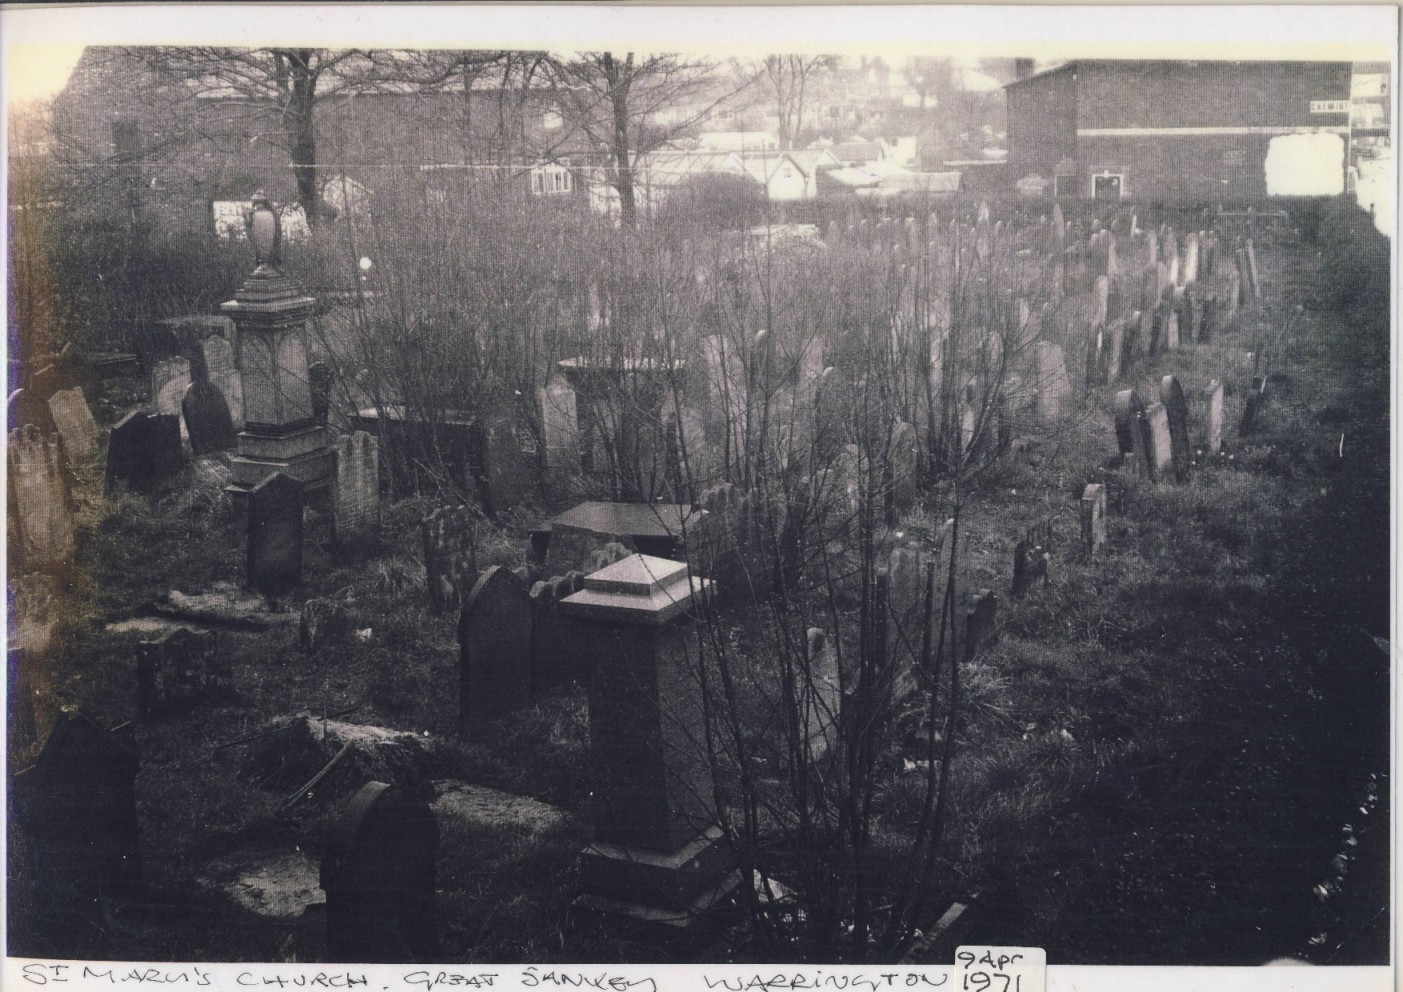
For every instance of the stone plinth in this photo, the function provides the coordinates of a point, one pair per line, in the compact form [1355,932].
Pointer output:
[656,858]
[280,432]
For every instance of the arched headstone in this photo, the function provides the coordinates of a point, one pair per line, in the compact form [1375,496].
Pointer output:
[494,645]
[207,418]
[275,534]
[379,875]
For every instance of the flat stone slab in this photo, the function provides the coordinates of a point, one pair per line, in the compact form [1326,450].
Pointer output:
[479,806]
[275,885]
[226,604]
[662,520]
[150,627]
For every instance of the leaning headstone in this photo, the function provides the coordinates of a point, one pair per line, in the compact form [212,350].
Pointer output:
[75,424]
[979,622]
[450,560]
[207,418]
[76,808]
[1215,417]
[1093,518]
[355,494]
[274,557]
[1161,447]
[177,669]
[1176,408]
[219,364]
[43,501]
[170,377]
[905,452]
[378,872]
[1053,384]
[820,696]
[494,645]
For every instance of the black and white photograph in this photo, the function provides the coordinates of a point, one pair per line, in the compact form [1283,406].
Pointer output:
[577,487]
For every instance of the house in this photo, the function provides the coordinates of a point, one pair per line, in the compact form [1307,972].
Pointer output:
[789,175]
[1177,131]
[738,141]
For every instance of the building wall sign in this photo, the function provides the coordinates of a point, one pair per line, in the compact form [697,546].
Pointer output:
[1329,106]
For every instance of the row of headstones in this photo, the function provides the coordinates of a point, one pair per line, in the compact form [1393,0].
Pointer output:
[1159,432]
[276,510]
[513,642]
[77,812]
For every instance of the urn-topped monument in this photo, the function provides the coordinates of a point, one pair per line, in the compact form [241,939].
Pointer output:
[270,310]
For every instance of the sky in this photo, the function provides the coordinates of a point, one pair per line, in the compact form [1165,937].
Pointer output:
[38,71]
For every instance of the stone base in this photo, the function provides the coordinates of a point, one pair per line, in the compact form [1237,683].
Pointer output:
[669,879]
[314,469]
[660,924]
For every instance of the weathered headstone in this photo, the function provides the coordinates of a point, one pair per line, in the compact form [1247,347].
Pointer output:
[1215,417]
[75,424]
[553,654]
[1053,384]
[170,377]
[76,807]
[905,454]
[1171,332]
[43,500]
[219,364]
[319,381]
[176,669]
[979,622]
[1093,518]
[450,559]
[355,494]
[1102,296]
[207,418]
[1190,266]
[1160,451]
[1115,351]
[274,556]
[560,420]
[24,408]
[1176,408]
[510,458]
[378,872]
[494,645]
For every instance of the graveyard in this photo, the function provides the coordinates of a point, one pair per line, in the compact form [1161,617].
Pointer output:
[1006,571]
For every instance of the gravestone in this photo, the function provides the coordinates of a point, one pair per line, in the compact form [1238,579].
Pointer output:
[1171,331]
[553,654]
[1160,451]
[1251,252]
[510,457]
[355,493]
[494,646]
[177,669]
[378,873]
[76,808]
[225,375]
[170,377]
[1102,297]
[1093,518]
[820,696]
[132,458]
[656,855]
[47,381]
[43,502]
[75,424]
[274,558]
[1030,558]
[1054,385]
[1215,417]
[319,382]
[24,408]
[905,455]
[1115,351]
[1256,399]
[1193,313]
[1176,408]
[450,559]
[207,419]
[979,622]
[560,419]
[1128,408]
[907,575]
[1190,266]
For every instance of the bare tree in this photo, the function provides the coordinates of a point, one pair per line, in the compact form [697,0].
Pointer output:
[787,79]
[615,102]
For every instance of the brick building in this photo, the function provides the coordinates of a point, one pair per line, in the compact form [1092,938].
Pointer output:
[1173,132]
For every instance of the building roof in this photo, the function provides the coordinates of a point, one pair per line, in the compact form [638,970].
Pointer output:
[1076,64]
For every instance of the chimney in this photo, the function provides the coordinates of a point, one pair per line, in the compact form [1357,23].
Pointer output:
[1022,68]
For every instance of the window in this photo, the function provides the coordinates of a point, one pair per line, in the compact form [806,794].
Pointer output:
[551,180]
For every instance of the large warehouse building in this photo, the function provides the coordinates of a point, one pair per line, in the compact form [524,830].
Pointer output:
[1181,132]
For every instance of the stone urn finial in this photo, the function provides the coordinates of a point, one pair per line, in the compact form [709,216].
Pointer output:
[265,233]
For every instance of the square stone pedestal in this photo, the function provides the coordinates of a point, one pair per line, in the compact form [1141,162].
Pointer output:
[657,861]
[302,454]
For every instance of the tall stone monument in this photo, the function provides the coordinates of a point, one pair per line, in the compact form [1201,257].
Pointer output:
[657,856]
[280,433]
